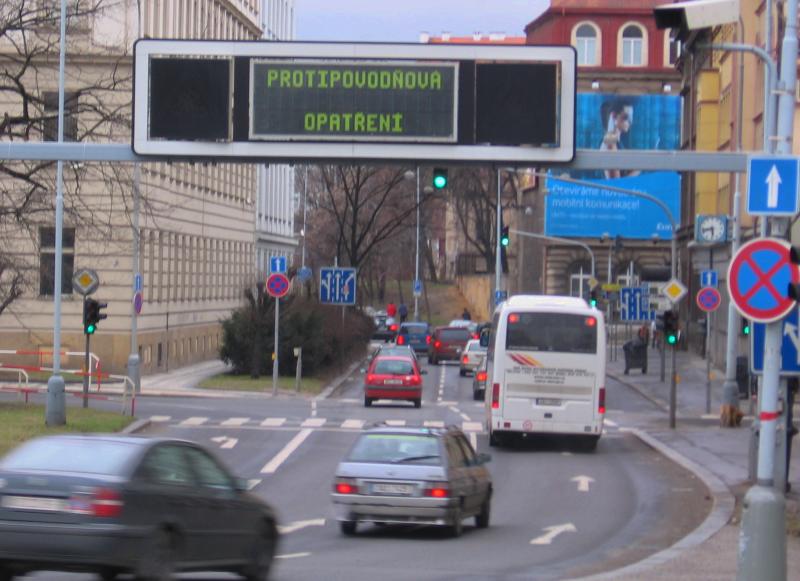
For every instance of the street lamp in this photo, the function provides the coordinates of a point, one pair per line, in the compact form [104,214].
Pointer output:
[409,175]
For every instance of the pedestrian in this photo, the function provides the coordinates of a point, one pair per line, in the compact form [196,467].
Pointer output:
[466,315]
[391,310]
[403,312]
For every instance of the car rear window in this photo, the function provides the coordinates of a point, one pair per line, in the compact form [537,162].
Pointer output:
[84,456]
[557,332]
[454,335]
[413,329]
[393,367]
[397,449]
[476,347]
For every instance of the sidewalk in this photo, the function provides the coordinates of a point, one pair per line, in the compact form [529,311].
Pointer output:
[719,456]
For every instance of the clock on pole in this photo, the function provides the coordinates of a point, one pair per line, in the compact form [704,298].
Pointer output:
[711,229]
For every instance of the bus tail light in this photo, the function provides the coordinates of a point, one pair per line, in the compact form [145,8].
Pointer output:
[496,396]
[601,401]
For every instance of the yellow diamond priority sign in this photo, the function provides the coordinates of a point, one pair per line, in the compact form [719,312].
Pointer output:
[85,281]
[674,290]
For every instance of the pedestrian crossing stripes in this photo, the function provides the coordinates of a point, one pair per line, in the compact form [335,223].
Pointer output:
[347,424]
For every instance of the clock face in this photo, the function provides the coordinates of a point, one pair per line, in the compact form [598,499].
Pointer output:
[712,229]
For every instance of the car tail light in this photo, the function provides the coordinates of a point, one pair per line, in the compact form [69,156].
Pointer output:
[465,359]
[106,503]
[496,396]
[437,490]
[437,344]
[401,340]
[345,486]
[476,336]
[428,339]
[601,401]
[481,376]
[413,380]
[393,327]
[370,378]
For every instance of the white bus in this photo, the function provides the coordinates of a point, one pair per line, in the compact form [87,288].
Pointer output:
[546,369]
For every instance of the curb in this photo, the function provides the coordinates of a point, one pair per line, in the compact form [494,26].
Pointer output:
[135,427]
[333,386]
[720,515]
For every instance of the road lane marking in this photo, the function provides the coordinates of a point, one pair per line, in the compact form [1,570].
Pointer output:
[472,426]
[252,483]
[292,555]
[446,403]
[279,458]
[353,424]
[313,423]
[611,423]
[583,482]
[473,439]
[433,423]
[160,418]
[225,442]
[195,421]
[454,409]
[235,422]
[301,524]
[395,423]
[313,408]
[273,422]
[553,532]
[465,417]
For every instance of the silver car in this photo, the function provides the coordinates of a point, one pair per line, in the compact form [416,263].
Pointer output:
[471,357]
[424,476]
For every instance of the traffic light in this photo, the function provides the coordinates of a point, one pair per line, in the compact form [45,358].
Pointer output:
[745,330]
[671,325]
[439,178]
[593,298]
[92,314]
[504,238]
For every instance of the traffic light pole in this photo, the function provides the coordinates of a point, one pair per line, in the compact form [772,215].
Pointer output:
[86,370]
[586,247]
[673,387]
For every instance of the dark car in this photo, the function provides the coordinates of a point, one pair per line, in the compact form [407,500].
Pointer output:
[447,344]
[415,335]
[113,504]
[428,476]
[385,327]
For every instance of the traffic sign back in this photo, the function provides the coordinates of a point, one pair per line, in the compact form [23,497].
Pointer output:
[758,279]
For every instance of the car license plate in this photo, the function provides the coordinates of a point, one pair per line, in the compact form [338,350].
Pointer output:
[548,401]
[33,503]
[393,382]
[399,489]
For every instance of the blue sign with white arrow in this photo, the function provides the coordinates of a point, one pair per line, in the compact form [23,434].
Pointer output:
[337,286]
[772,186]
[634,304]
[277,264]
[790,348]
[709,278]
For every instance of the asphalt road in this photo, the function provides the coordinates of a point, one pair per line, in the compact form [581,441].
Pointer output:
[584,512]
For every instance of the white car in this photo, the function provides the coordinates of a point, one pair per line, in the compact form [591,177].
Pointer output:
[471,357]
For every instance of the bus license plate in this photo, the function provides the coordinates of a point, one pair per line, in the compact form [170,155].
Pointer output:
[548,401]
[401,489]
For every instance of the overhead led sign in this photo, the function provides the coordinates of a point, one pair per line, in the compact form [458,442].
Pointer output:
[353,100]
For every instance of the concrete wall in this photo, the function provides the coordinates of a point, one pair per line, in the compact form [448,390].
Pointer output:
[477,289]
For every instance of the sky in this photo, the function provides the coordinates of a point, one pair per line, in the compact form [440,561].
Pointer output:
[404,20]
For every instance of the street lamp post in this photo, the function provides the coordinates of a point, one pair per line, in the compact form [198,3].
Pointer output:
[410,175]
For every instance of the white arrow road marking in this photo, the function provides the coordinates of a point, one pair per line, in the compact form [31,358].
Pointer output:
[225,442]
[279,458]
[791,330]
[292,555]
[583,482]
[553,532]
[773,182]
[301,524]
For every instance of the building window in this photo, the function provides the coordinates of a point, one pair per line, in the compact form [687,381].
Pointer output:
[586,44]
[633,52]
[50,117]
[673,51]
[47,260]
[579,281]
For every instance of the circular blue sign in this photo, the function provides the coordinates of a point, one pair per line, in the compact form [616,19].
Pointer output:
[304,274]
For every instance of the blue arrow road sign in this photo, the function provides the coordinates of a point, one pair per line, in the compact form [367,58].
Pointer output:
[709,278]
[634,304]
[277,264]
[772,186]
[337,286]
[790,349]
[417,287]
[500,296]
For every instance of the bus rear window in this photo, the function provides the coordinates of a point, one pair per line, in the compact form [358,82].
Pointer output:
[555,332]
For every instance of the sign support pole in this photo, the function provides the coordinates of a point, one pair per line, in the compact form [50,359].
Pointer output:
[86,366]
[275,349]
[673,388]
[708,341]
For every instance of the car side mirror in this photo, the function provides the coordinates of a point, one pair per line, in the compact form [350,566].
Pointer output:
[483,458]
[485,338]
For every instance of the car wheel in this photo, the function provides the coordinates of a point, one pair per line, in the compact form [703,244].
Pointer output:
[475,393]
[5,574]
[157,559]
[457,526]
[263,554]
[367,402]
[495,439]
[482,518]
[418,403]
[348,527]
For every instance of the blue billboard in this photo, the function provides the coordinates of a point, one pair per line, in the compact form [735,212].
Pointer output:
[615,123]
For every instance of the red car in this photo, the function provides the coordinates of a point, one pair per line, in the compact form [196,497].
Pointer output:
[393,377]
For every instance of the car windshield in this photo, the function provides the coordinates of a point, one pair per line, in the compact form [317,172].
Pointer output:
[393,367]
[396,448]
[454,335]
[65,455]
[552,332]
[414,329]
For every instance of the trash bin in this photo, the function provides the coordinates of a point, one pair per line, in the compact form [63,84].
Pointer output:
[635,355]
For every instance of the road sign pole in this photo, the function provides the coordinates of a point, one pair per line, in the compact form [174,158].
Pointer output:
[708,362]
[730,389]
[275,349]
[86,364]
[673,388]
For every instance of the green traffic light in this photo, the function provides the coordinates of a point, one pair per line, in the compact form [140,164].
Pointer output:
[504,241]
[439,181]
[672,339]
[593,302]
[90,329]
[746,330]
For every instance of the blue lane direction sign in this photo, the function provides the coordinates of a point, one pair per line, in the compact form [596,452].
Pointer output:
[337,286]
[709,278]
[634,304]
[500,296]
[277,264]
[417,287]
[790,348]
[772,186]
